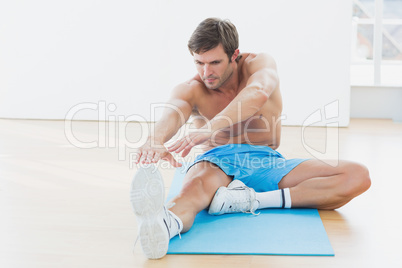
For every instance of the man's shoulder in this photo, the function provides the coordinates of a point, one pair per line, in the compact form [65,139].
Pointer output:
[253,62]
[193,85]
[250,58]
[189,89]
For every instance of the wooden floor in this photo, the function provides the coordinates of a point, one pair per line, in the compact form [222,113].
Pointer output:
[62,206]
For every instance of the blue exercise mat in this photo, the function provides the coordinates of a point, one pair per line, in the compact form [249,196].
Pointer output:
[272,232]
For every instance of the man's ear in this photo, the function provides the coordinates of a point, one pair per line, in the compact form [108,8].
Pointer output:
[235,55]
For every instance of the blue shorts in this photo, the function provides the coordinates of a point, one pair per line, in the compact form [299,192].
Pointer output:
[258,167]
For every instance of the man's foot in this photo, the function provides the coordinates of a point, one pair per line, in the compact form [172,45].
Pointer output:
[156,223]
[237,197]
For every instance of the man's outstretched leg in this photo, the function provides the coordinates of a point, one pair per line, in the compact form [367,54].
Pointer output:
[157,224]
[312,184]
[199,187]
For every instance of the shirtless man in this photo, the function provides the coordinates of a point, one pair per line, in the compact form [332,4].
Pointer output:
[237,102]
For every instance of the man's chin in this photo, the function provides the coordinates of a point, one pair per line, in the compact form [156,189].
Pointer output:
[212,87]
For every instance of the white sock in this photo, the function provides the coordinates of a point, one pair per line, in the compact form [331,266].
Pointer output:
[274,199]
[176,225]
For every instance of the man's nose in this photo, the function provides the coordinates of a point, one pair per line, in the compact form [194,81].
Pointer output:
[207,70]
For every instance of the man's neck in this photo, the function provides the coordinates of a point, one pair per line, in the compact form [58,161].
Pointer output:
[232,84]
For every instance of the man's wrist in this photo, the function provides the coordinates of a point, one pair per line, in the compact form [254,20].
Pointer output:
[217,124]
[155,140]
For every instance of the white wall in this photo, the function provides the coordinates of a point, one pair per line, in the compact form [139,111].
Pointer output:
[376,102]
[57,54]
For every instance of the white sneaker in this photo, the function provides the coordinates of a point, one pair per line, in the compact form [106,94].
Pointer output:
[237,197]
[155,222]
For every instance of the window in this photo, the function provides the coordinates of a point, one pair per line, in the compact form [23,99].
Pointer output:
[377,43]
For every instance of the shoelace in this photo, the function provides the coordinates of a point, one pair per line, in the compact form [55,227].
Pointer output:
[238,204]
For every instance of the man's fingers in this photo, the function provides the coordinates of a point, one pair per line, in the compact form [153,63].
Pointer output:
[176,164]
[150,157]
[172,147]
[137,156]
[173,161]
[187,149]
[147,157]
[175,146]
[180,145]
[143,157]
[187,142]
[156,157]
[169,157]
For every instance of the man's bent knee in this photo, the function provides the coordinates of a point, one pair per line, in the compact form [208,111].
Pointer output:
[356,180]
[209,174]
[195,185]
[203,179]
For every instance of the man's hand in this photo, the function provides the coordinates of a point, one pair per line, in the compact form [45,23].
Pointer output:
[148,154]
[186,143]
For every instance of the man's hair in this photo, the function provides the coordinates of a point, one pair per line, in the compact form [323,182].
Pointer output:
[210,33]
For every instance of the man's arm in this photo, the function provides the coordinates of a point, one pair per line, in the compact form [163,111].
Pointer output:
[175,115]
[263,80]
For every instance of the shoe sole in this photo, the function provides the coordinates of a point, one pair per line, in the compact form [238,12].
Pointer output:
[147,199]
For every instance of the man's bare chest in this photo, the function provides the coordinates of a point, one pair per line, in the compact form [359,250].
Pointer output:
[210,106]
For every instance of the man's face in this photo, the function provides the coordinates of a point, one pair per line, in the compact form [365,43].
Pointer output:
[213,67]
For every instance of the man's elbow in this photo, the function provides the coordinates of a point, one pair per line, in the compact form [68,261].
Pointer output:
[261,96]
[257,96]
[275,144]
